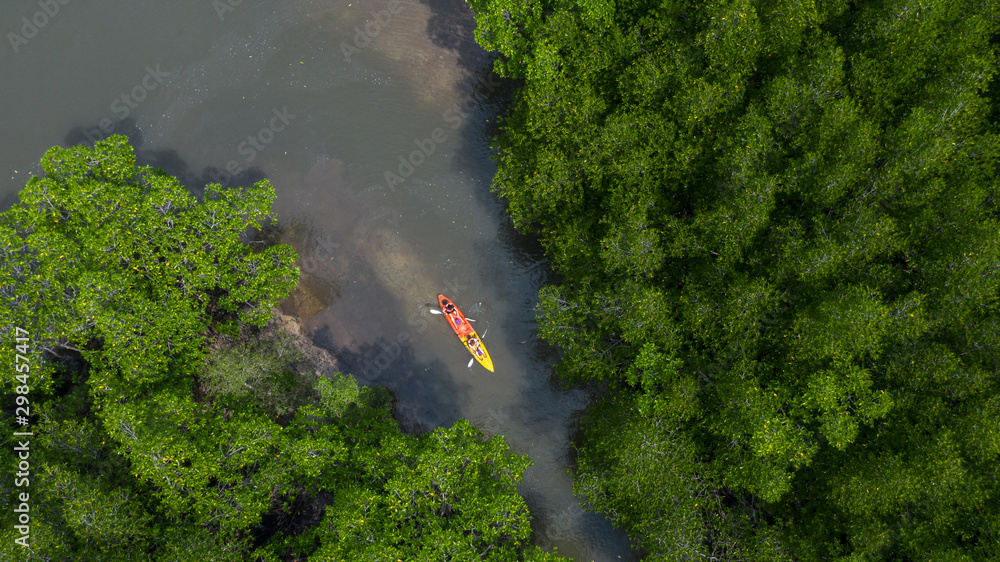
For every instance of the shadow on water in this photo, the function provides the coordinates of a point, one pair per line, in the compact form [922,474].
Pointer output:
[451,27]
[423,396]
[8,201]
[480,131]
[521,261]
[167,160]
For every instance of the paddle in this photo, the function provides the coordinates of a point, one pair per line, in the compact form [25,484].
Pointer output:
[435,311]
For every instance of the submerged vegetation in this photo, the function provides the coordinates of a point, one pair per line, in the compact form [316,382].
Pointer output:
[776,226]
[170,420]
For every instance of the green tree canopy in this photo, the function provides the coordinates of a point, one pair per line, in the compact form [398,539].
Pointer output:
[776,227]
[120,263]
[148,444]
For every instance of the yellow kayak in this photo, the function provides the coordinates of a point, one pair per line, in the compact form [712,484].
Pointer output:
[465,332]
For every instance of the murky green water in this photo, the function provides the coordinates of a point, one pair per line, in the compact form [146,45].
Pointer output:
[372,120]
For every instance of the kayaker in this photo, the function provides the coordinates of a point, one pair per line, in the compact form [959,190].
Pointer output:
[451,311]
[474,346]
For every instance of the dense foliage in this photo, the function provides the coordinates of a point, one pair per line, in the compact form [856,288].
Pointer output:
[170,421]
[776,225]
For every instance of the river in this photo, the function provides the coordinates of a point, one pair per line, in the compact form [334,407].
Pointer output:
[372,119]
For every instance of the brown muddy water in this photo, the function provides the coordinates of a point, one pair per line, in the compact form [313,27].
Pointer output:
[372,119]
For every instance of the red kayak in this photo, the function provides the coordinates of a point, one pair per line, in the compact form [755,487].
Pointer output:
[463,329]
